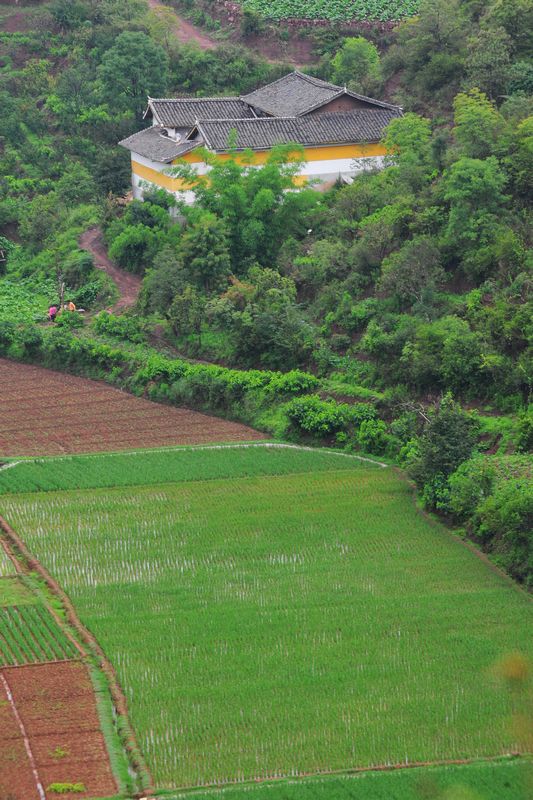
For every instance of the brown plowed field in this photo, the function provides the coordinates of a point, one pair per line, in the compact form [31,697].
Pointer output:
[43,412]
[57,707]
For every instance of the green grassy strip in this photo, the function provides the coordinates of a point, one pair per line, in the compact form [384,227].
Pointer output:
[13,592]
[334,10]
[167,466]
[110,726]
[508,779]
[6,565]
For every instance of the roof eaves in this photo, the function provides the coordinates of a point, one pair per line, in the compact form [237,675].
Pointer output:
[198,126]
[150,107]
[321,103]
[371,100]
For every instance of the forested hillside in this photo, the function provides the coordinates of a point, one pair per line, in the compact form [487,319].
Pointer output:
[401,302]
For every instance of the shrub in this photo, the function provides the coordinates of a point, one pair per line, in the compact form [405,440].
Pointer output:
[121,327]
[372,436]
[71,320]
[326,417]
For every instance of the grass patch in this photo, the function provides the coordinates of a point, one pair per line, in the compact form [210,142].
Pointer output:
[283,625]
[13,592]
[6,565]
[166,466]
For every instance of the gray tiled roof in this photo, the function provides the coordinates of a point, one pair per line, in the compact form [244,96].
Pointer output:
[359,125]
[183,111]
[292,95]
[297,93]
[154,145]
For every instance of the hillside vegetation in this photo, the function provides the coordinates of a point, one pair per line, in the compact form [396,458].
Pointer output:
[401,304]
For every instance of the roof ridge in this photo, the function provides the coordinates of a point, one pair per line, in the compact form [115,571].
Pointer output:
[189,99]
[317,81]
[272,83]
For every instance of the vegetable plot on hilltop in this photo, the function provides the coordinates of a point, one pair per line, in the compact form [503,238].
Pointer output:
[283,625]
[335,10]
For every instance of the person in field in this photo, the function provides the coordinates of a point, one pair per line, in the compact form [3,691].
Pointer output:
[52,313]
[71,306]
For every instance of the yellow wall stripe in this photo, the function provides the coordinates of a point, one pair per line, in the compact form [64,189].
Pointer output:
[159,178]
[327,153]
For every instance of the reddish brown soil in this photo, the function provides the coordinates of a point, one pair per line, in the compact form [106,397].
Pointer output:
[15,22]
[57,707]
[128,285]
[184,31]
[49,413]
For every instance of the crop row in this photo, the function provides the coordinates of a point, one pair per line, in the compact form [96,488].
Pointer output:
[167,466]
[278,625]
[335,10]
[6,565]
[30,635]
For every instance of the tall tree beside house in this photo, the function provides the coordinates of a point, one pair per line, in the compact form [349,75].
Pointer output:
[204,253]
[132,69]
[357,65]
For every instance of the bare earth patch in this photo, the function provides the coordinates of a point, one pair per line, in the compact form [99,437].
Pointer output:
[127,284]
[43,412]
[57,707]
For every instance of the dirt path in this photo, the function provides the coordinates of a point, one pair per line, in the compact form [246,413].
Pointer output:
[128,285]
[184,31]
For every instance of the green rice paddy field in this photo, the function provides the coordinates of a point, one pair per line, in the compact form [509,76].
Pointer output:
[295,617]
[510,779]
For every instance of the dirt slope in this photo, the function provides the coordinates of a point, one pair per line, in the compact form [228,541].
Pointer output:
[185,31]
[128,285]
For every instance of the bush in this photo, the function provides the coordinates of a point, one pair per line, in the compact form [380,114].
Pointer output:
[324,418]
[134,248]
[70,320]
[124,327]
[493,497]
[505,526]
[524,434]
[373,437]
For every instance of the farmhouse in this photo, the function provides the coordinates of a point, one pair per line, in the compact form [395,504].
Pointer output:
[339,130]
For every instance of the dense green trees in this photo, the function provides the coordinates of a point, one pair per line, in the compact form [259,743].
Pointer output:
[132,69]
[357,65]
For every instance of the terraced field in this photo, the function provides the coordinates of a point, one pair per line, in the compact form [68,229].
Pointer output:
[49,413]
[50,729]
[269,624]
[334,10]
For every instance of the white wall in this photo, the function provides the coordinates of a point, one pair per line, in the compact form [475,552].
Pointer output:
[326,171]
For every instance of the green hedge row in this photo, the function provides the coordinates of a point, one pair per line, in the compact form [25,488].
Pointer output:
[279,402]
[206,386]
